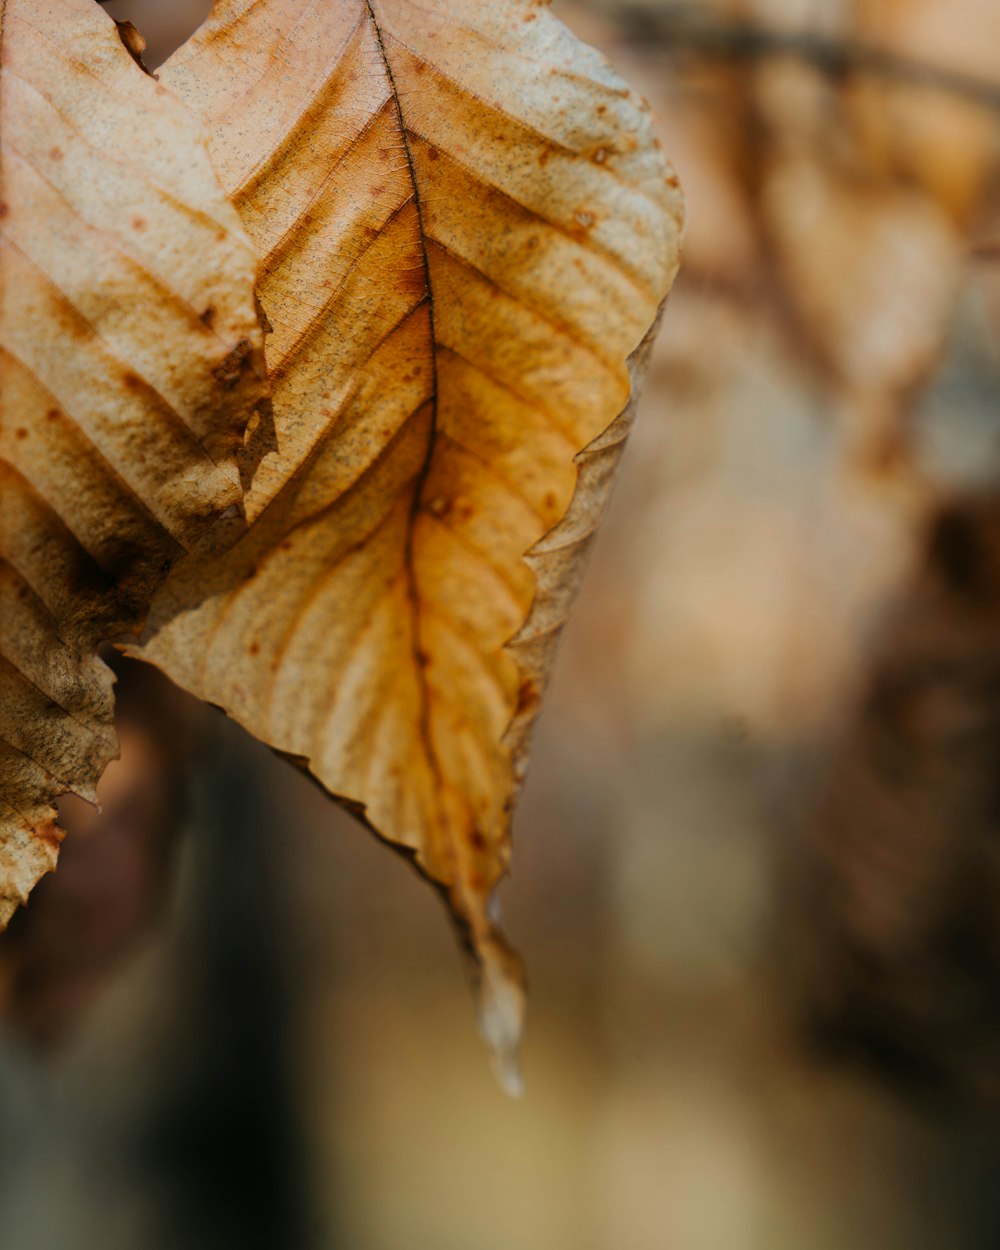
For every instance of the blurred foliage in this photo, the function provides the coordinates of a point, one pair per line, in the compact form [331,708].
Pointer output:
[761,824]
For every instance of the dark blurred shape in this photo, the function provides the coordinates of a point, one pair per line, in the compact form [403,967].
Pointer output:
[893,915]
[207,1147]
[221,1140]
[114,867]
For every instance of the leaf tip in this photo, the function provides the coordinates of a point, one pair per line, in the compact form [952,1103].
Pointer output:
[501,1014]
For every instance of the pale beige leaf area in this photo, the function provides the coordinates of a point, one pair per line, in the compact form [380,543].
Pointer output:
[129,365]
[467,228]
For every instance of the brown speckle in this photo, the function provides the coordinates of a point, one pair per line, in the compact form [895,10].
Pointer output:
[228,373]
[55,154]
[49,834]
[138,223]
[253,649]
[53,414]
[208,316]
[20,432]
[527,698]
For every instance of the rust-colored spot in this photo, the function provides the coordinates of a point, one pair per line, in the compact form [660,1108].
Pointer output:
[265,324]
[413,280]
[377,190]
[439,506]
[550,500]
[531,17]
[422,658]
[228,373]
[56,154]
[208,316]
[254,648]
[20,432]
[53,414]
[601,109]
[4,211]
[50,834]
[138,223]
[433,153]
[131,381]
[528,697]
[476,839]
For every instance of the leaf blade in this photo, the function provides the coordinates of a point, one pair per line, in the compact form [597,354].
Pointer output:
[454,309]
[128,345]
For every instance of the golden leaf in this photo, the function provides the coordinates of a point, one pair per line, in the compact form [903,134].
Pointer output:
[467,227]
[128,334]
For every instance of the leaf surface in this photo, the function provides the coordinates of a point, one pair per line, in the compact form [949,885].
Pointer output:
[128,339]
[467,229]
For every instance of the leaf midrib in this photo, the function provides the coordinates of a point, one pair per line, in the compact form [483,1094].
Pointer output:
[418,488]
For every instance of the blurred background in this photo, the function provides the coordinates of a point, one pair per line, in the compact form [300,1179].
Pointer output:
[757,861]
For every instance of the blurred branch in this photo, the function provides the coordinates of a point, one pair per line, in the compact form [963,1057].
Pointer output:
[680,30]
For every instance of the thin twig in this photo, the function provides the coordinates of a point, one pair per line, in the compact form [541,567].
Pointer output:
[679,30]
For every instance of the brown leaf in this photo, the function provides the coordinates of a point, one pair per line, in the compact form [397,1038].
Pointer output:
[127,291]
[467,228]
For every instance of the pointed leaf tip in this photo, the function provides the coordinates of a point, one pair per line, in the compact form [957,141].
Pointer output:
[501,1014]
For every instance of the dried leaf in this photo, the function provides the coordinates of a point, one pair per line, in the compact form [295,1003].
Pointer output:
[127,299]
[467,228]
